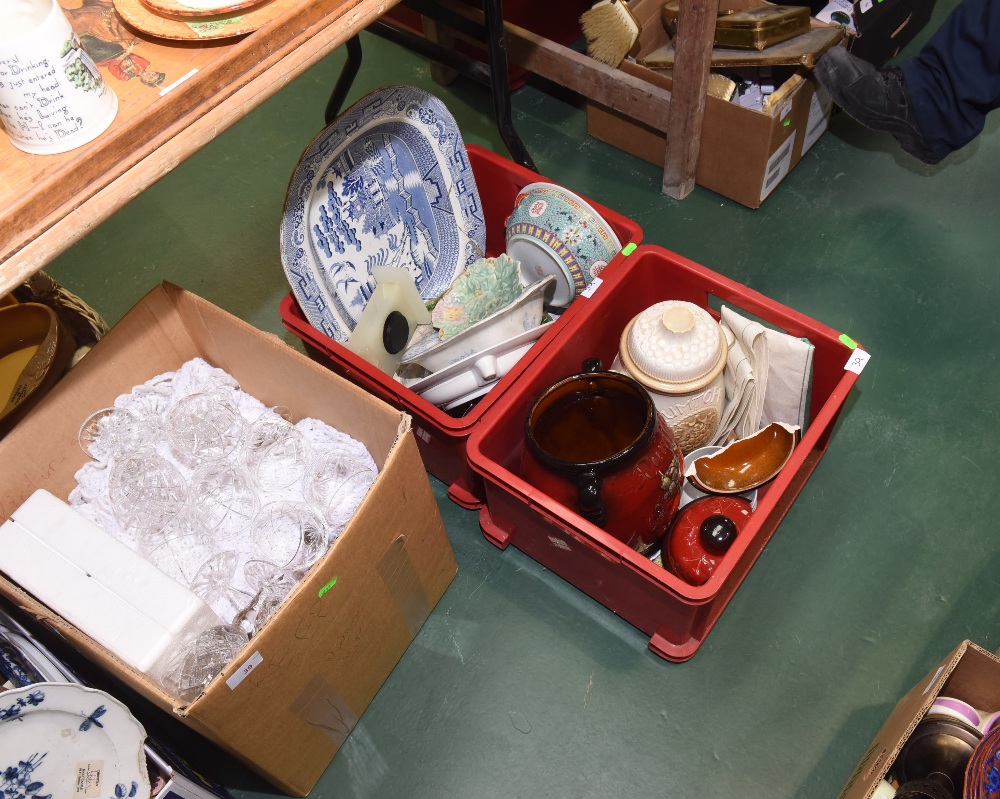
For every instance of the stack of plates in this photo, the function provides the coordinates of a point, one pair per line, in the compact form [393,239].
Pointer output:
[24,661]
[200,19]
[474,375]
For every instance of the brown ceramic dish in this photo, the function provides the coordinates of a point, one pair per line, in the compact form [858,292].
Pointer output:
[35,350]
[745,464]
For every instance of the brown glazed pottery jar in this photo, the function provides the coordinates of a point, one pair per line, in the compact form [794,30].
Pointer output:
[596,443]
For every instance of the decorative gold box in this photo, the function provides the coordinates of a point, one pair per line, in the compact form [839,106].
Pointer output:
[748,29]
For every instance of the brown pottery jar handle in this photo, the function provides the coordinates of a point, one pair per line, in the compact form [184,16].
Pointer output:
[591,507]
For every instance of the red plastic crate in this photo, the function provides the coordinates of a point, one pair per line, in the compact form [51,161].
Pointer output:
[678,616]
[442,438]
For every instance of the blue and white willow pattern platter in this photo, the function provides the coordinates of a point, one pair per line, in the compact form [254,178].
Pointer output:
[60,740]
[387,183]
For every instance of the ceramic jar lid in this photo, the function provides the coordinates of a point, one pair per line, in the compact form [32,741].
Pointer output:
[674,347]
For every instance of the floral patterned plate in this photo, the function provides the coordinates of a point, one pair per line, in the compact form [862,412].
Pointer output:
[63,740]
[982,774]
[387,183]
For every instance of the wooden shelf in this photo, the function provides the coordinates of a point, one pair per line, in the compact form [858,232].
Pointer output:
[49,202]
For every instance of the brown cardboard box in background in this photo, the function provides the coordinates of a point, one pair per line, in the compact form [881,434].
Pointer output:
[969,673]
[287,703]
[744,153]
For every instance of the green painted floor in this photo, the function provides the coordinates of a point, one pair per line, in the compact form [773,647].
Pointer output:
[518,685]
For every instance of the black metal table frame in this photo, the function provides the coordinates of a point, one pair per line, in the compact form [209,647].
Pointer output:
[493,74]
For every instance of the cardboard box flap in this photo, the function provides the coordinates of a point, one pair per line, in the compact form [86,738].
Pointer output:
[802,50]
[969,673]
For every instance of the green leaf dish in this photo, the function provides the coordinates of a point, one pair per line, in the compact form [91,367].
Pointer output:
[488,285]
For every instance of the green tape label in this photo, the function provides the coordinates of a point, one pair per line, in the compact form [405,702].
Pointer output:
[629,248]
[848,341]
[328,586]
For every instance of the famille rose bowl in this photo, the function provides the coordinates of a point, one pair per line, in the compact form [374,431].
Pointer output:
[552,231]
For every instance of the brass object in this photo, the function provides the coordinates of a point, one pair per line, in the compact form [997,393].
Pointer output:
[750,28]
[759,28]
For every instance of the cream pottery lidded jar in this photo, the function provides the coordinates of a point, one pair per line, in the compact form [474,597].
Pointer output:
[678,352]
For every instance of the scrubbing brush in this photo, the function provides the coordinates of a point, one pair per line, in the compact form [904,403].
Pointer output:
[611,31]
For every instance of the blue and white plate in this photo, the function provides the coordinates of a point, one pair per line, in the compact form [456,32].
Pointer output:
[62,740]
[387,183]
[15,665]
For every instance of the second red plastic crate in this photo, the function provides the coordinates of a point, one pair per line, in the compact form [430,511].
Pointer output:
[678,616]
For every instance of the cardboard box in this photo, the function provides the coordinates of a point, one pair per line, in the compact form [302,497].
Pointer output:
[744,154]
[969,673]
[287,703]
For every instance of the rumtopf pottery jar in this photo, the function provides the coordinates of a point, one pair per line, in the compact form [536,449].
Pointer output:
[596,443]
[678,352]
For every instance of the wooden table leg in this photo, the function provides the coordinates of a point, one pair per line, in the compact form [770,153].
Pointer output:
[695,37]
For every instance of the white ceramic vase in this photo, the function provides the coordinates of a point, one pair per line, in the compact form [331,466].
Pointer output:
[52,96]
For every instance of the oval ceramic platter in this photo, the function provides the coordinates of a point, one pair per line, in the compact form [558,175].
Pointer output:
[387,183]
[63,740]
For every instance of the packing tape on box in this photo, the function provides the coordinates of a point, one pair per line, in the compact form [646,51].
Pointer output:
[321,705]
[404,586]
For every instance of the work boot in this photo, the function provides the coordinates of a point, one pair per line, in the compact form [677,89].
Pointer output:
[877,98]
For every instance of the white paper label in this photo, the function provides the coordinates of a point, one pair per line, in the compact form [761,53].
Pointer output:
[934,679]
[857,362]
[866,5]
[589,291]
[777,166]
[819,114]
[238,676]
[559,543]
[87,784]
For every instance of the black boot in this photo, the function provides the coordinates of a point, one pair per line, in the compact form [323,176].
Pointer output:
[876,98]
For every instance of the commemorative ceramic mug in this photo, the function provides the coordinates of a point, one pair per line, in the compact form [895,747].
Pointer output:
[596,443]
[52,96]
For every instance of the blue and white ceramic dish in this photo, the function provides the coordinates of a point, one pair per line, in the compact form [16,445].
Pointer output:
[63,740]
[15,666]
[387,183]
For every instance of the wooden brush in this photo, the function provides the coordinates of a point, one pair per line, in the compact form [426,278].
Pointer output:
[611,31]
